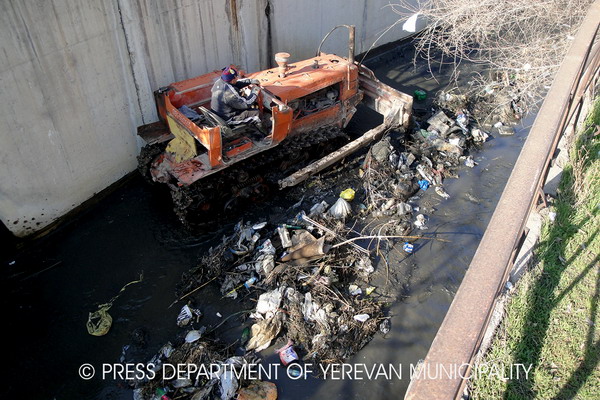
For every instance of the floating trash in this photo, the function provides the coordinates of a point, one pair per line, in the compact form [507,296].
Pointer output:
[421,221]
[362,317]
[340,209]
[440,191]
[187,314]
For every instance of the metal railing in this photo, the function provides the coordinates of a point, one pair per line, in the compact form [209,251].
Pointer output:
[460,334]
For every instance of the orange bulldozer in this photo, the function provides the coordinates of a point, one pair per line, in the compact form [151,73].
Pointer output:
[210,165]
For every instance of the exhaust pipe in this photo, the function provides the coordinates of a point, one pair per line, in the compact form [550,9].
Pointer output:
[351,41]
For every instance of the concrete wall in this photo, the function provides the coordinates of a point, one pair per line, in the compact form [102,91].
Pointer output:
[77,76]
[298,27]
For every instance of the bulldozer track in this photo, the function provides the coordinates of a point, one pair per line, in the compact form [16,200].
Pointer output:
[147,155]
[229,190]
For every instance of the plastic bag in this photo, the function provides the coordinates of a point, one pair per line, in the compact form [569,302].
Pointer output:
[348,194]
[99,322]
[269,302]
[264,331]
[318,209]
[340,209]
[421,221]
[193,336]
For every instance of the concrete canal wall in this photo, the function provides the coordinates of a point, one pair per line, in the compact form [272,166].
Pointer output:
[76,79]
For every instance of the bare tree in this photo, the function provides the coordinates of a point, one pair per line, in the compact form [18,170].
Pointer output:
[521,43]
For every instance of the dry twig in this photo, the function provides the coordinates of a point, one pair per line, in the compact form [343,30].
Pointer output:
[521,43]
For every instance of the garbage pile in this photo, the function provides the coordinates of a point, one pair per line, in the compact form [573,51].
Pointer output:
[313,287]
[397,170]
[308,286]
[198,371]
[306,280]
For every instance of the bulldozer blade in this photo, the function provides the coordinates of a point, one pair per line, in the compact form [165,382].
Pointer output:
[395,107]
[385,99]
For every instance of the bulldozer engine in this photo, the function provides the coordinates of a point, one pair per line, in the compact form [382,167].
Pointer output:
[304,104]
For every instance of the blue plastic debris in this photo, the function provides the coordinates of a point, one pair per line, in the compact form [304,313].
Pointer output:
[408,247]
[423,184]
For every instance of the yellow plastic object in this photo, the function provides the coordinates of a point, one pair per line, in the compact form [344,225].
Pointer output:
[100,321]
[347,194]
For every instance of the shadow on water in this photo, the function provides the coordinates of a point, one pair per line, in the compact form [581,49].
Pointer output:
[50,288]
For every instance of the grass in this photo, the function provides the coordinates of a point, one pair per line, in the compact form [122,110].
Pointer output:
[552,319]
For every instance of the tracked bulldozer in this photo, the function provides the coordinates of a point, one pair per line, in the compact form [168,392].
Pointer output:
[210,165]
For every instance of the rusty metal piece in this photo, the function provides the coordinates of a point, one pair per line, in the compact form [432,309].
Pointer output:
[382,98]
[460,334]
[351,43]
[541,202]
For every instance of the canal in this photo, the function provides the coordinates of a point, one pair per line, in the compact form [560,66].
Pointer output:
[51,284]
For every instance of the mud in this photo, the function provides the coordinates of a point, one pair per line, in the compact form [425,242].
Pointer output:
[51,285]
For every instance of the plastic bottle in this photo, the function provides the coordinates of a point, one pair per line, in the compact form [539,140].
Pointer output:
[250,282]
[284,236]
[420,95]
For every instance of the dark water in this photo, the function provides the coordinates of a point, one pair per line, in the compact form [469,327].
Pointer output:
[51,285]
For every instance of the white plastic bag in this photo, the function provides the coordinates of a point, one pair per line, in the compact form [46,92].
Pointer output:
[340,209]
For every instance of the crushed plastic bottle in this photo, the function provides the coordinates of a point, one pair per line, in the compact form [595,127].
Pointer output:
[462,120]
[250,282]
[384,326]
[294,371]
[420,95]
[469,162]
[404,208]
[284,236]
[245,336]
[440,191]
[354,290]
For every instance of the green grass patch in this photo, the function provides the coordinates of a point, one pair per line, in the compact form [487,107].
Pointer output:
[552,319]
